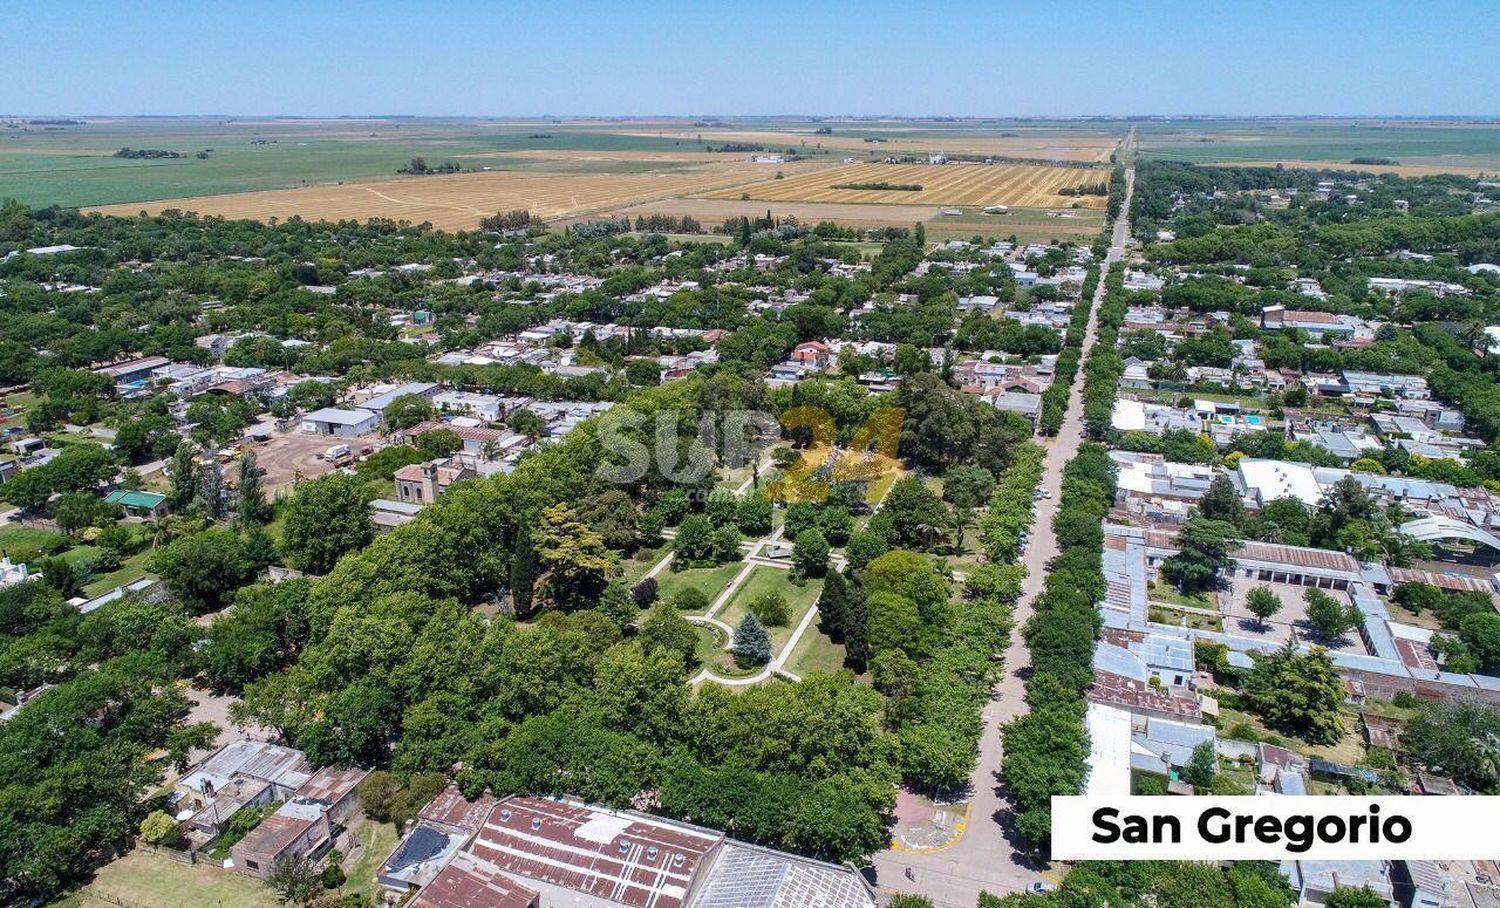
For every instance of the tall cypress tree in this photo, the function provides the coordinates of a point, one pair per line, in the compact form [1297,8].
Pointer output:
[833,606]
[251,502]
[184,478]
[523,567]
[210,490]
[857,630]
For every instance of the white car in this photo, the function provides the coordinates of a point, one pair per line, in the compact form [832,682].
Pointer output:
[1041,887]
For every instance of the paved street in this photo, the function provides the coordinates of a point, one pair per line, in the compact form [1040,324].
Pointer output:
[983,858]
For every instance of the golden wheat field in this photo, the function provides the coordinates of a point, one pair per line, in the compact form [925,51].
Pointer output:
[458,201]
[1051,147]
[1021,185]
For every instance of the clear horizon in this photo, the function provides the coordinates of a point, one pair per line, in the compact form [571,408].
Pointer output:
[592,59]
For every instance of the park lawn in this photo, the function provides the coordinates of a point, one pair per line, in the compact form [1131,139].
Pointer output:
[879,486]
[731,478]
[24,543]
[632,569]
[764,580]
[711,643]
[376,842]
[711,580]
[142,879]
[815,652]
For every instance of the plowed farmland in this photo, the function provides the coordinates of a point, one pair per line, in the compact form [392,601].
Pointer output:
[458,201]
[1020,185]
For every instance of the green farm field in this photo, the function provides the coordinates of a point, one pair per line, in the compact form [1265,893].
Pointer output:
[1455,146]
[73,165]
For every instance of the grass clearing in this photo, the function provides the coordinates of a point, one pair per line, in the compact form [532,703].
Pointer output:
[1167,594]
[142,879]
[376,841]
[1180,618]
[24,543]
[815,652]
[711,643]
[131,570]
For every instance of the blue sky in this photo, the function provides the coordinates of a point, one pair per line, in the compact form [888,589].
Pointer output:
[327,57]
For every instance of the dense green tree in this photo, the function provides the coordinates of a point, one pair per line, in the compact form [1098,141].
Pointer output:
[1222,502]
[751,644]
[1350,897]
[323,519]
[184,476]
[665,628]
[575,563]
[1297,693]
[833,605]
[865,546]
[810,553]
[524,567]
[754,515]
[916,517]
[1458,739]
[408,410]
[1202,766]
[1263,603]
[202,569]
[1203,551]
[250,500]
[1329,618]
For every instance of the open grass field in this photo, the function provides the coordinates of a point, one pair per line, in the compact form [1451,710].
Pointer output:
[459,201]
[949,184]
[1417,147]
[142,879]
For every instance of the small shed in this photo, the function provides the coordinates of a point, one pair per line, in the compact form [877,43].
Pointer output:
[139,504]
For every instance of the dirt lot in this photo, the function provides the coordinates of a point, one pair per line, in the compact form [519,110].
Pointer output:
[287,455]
[1239,621]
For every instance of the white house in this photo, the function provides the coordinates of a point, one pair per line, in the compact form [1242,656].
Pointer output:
[340,422]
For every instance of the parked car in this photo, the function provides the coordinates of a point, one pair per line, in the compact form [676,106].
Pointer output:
[1040,887]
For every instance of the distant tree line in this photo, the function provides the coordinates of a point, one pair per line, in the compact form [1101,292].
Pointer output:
[135,153]
[419,166]
[1086,189]
[881,186]
[515,219]
[667,223]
